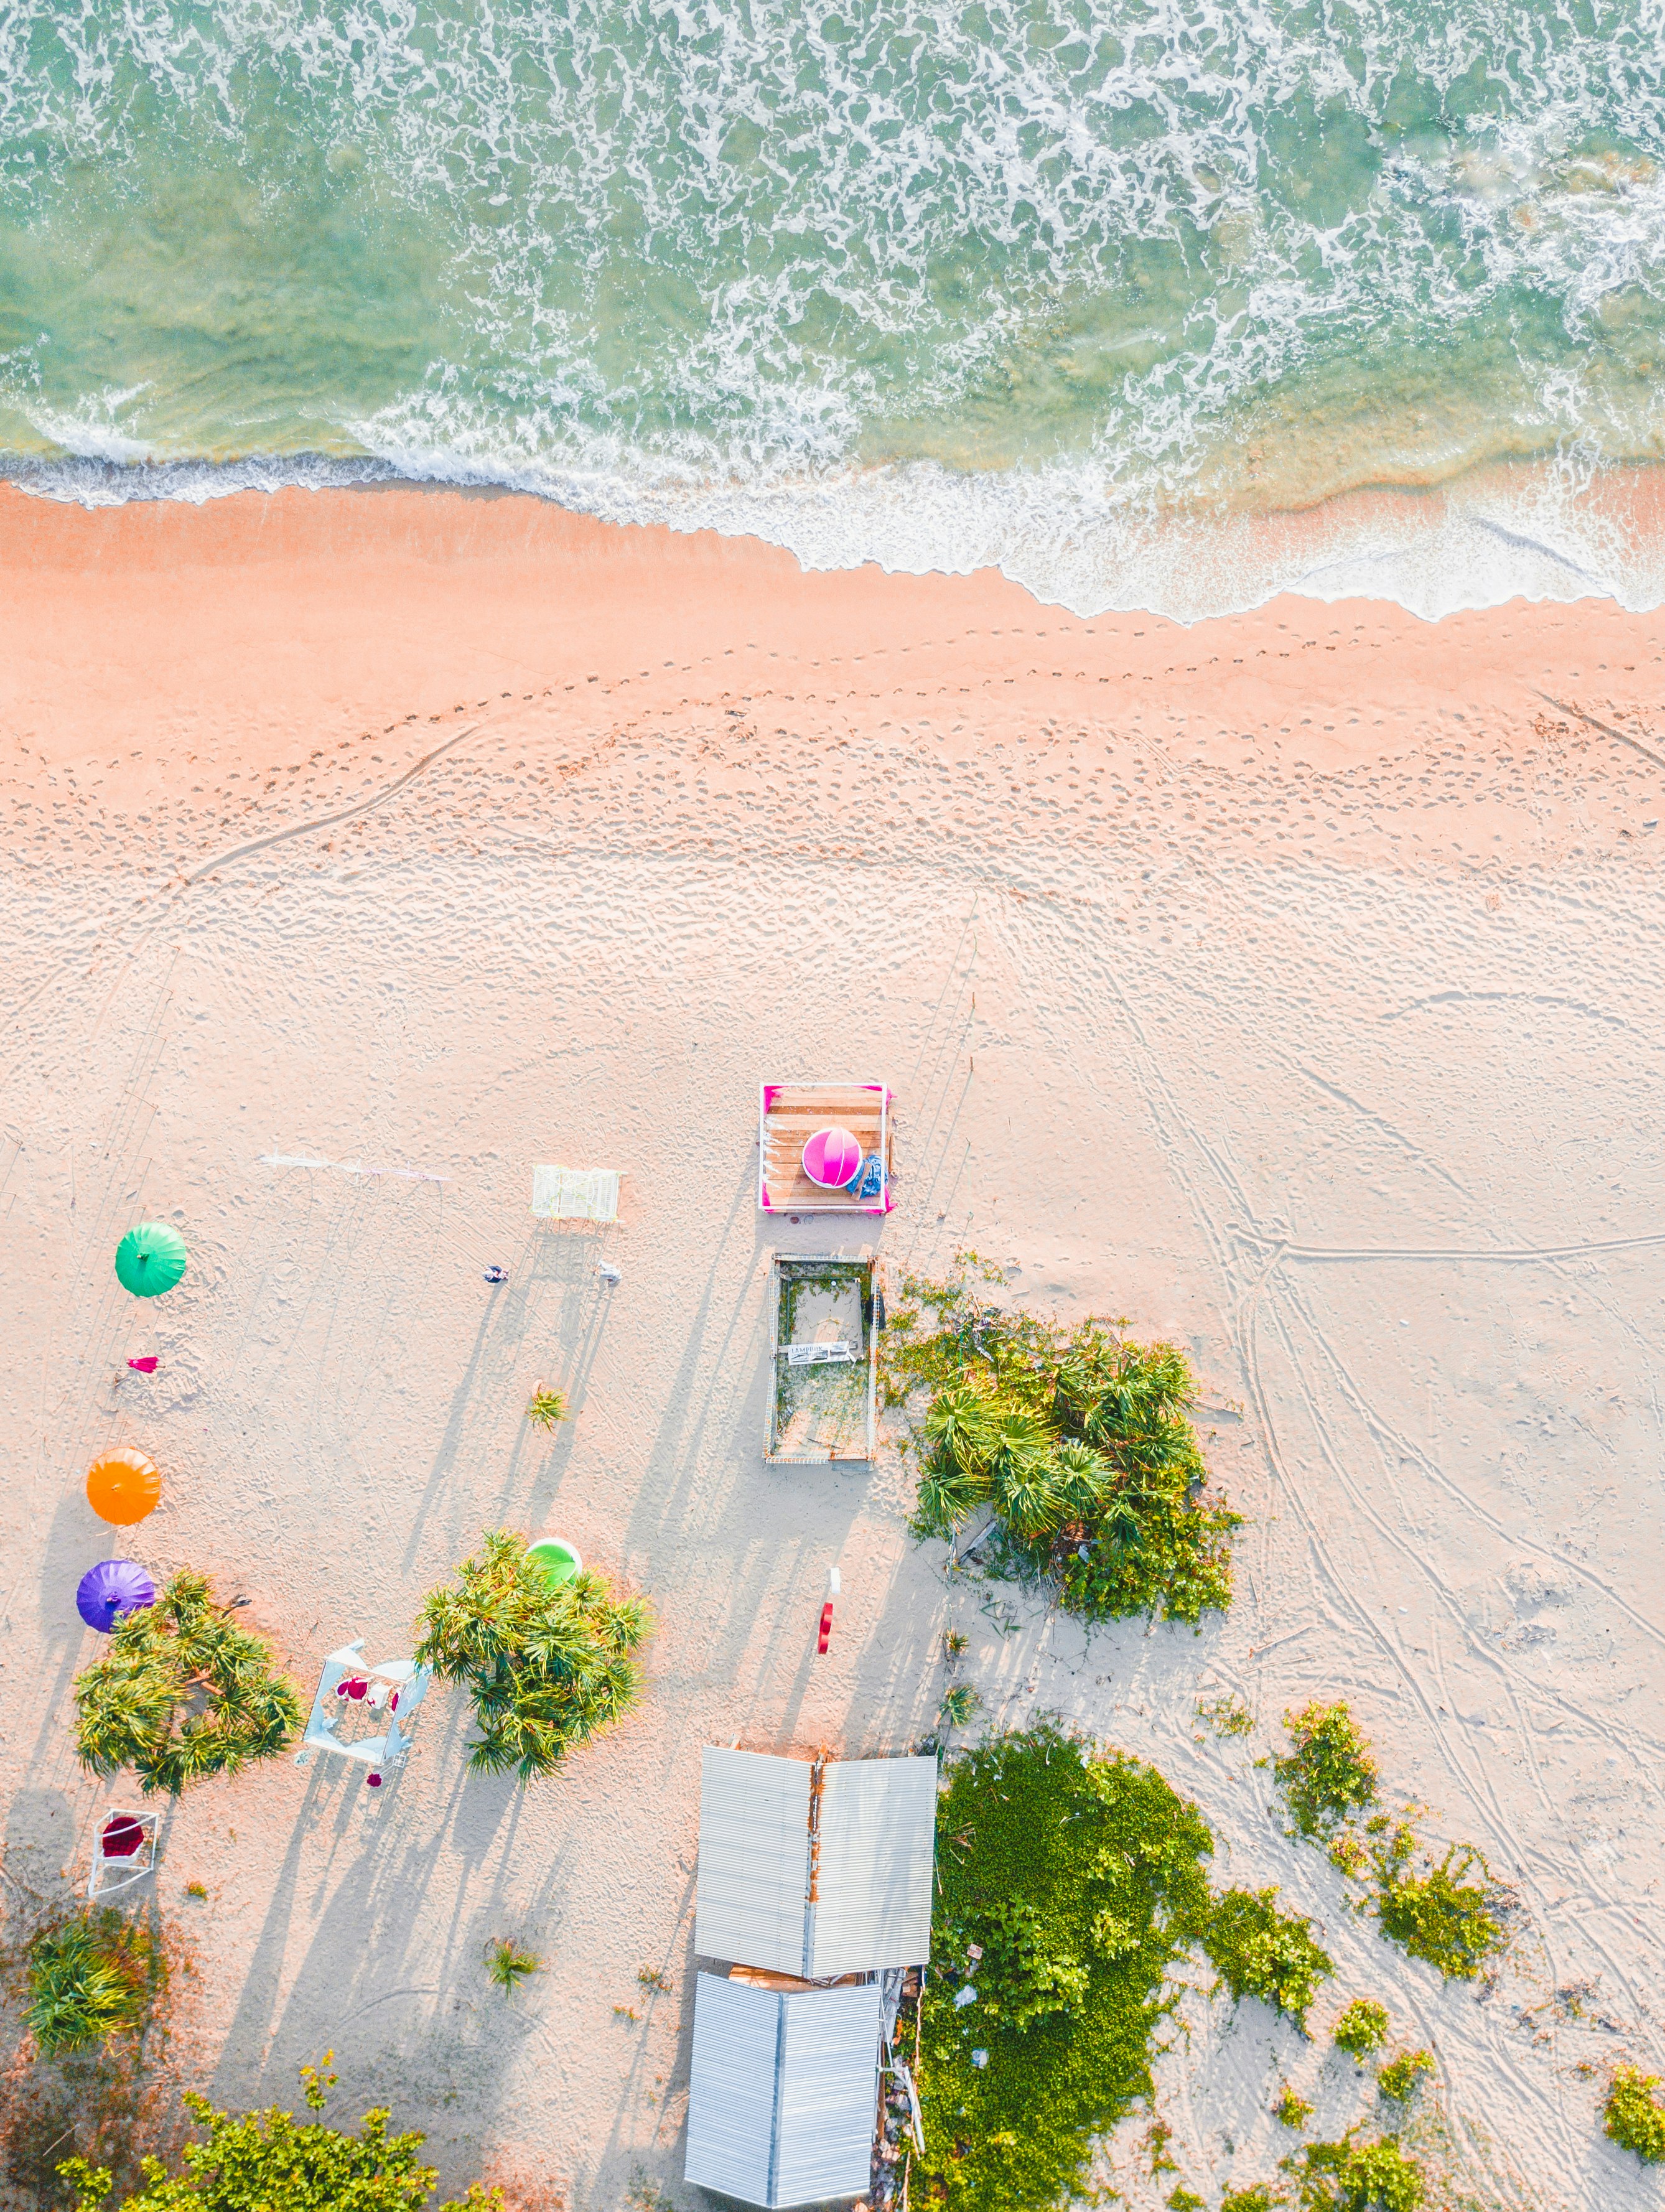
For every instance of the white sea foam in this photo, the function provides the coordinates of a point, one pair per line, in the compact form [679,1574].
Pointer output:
[854,278]
[1540,532]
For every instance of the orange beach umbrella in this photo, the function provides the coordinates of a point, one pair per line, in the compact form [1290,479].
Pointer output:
[123,1486]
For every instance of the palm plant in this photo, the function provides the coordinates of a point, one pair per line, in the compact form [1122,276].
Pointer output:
[547,1665]
[89,1979]
[546,1408]
[1079,1443]
[182,1693]
[508,1967]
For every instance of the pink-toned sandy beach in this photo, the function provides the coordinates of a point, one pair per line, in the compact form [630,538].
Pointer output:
[1288,985]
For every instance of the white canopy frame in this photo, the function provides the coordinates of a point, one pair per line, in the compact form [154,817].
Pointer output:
[133,1859]
[393,1686]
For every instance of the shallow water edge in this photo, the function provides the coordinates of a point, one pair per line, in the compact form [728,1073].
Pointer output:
[1538,532]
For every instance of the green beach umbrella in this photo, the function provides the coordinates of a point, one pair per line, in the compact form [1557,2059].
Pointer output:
[150,1259]
[557,1558]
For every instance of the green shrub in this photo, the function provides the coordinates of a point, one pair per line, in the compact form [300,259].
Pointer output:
[93,1976]
[1362,2027]
[1260,2198]
[1292,2108]
[508,1967]
[1078,1879]
[1262,1953]
[1436,1915]
[546,1407]
[182,1693]
[1079,1441]
[1226,1715]
[1330,1773]
[960,1705]
[269,2161]
[1349,2177]
[547,1664]
[1632,2119]
[1018,1980]
[1398,2079]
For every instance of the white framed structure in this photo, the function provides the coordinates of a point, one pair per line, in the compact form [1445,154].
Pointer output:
[784,2090]
[788,1116]
[124,1849]
[816,1868]
[391,1691]
[825,1314]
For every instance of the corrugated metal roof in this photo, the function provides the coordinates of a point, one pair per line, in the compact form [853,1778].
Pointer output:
[783,2091]
[754,1859]
[828,2098]
[870,1872]
[878,1820]
[732,2088]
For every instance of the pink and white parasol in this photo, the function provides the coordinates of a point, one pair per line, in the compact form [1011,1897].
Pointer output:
[832,1158]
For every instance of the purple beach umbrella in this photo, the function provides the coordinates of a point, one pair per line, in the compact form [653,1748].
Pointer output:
[113,1587]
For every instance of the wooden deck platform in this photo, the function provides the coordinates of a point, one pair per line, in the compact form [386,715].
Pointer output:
[789,1114]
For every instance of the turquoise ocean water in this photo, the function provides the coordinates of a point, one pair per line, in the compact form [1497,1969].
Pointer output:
[1095,289]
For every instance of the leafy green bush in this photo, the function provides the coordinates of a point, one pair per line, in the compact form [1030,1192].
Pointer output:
[1398,2079]
[1079,1881]
[547,1664]
[1292,2108]
[1632,2119]
[269,2161]
[1330,1773]
[1362,2027]
[181,1693]
[1436,1915]
[1017,1981]
[91,1978]
[1227,1715]
[1260,2198]
[1079,1441]
[1348,1856]
[1349,2177]
[1262,1953]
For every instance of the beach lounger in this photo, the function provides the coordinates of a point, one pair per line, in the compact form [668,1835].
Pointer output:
[561,1193]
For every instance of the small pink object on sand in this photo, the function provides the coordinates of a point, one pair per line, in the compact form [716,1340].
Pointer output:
[145,1366]
[832,1157]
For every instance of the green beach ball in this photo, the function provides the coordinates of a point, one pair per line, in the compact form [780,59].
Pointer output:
[150,1259]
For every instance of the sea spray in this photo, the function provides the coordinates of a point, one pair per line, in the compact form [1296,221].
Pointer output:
[1147,306]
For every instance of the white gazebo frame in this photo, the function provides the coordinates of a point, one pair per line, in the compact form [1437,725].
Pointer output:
[392,1680]
[134,1865]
